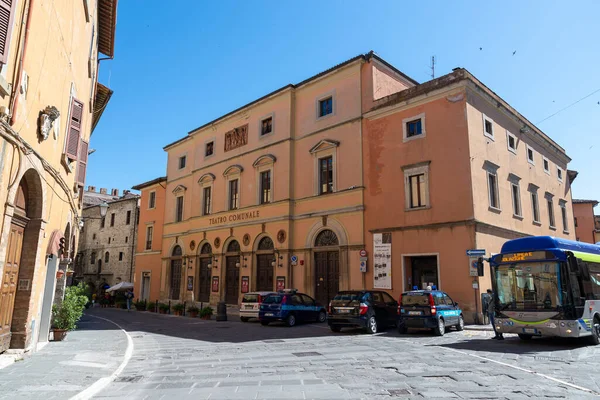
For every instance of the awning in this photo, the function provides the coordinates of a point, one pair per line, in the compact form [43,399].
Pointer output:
[103,95]
[107,21]
[120,287]
[54,243]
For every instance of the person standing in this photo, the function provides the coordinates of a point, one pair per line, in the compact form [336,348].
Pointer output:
[129,297]
[491,309]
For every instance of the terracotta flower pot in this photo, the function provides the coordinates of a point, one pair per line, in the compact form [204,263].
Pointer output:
[69,273]
[59,334]
[59,274]
[206,317]
[193,314]
[177,312]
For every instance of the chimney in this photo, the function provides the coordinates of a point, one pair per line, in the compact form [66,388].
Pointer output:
[114,192]
[126,192]
[102,190]
[91,188]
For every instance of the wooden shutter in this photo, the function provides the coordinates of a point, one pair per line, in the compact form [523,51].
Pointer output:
[74,133]
[82,162]
[7,14]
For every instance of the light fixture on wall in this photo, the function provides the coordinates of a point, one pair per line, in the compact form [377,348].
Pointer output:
[245,264]
[103,209]
[277,256]
[214,263]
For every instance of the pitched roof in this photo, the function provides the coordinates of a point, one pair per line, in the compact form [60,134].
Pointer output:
[582,201]
[149,183]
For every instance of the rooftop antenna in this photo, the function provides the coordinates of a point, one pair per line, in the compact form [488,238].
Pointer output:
[432,67]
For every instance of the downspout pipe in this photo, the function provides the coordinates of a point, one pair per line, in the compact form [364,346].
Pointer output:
[15,101]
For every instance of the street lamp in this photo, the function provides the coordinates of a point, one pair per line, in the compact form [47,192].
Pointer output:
[103,209]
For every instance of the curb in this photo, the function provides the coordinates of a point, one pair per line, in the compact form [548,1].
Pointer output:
[483,328]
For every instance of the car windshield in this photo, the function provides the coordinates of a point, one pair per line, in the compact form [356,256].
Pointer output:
[250,298]
[528,286]
[349,298]
[415,299]
[273,299]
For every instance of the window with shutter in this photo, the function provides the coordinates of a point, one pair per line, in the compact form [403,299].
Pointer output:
[82,162]
[7,14]
[74,132]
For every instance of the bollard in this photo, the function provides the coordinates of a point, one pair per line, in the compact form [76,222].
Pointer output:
[221,311]
[184,308]
[169,307]
[156,307]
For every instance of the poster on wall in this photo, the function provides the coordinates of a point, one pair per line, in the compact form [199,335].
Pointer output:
[280,283]
[382,260]
[190,283]
[245,284]
[215,284]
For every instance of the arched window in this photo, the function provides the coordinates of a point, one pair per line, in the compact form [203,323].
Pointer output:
[206,249]
[265,244]
[326,238]
[106,257]
[93,258]
[234,247]
[177,251]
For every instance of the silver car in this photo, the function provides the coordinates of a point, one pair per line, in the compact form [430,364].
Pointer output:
[251,305]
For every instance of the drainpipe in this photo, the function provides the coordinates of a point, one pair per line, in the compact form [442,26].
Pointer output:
[15,100]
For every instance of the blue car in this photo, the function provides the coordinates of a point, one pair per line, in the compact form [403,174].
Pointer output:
[429,309]
[291,307]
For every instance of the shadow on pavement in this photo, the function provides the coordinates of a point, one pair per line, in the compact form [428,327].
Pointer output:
[514,345]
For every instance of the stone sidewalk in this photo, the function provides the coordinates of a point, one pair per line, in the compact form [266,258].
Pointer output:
[63,369]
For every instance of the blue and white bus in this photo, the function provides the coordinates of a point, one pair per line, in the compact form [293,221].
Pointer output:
[545,286]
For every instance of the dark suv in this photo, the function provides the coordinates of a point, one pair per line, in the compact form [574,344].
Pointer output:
[367,309]
[429,309]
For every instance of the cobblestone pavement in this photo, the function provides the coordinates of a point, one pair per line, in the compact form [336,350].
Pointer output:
[179,357]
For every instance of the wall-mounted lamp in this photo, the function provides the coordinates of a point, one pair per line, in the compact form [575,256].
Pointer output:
[103,209]
[245,264]
[277,256]
[214,263]
[190,263]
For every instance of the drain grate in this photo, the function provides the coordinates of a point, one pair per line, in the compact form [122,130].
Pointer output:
[135,378]
[399,392]
[307,354]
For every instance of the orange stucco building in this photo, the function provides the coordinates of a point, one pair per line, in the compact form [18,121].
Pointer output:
[585,221]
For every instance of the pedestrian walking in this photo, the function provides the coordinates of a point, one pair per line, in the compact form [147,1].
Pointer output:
[128,298]
[491,309]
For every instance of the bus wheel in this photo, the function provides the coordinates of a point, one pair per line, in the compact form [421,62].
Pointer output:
[595,338]
[523,336]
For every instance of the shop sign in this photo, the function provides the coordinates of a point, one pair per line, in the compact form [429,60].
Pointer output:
[280,283]
[245,284]
[215,284]
[234,217]
[382,261]
[190,283]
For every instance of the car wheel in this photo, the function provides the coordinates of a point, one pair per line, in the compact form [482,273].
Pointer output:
[595,338]
[335,328]
[372,325]
[322,316]
[264,323]
[290,320]
[523,336]
[244,319]
[440,329]
[461,324]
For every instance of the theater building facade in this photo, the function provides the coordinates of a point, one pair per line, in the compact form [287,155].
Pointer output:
[271,195]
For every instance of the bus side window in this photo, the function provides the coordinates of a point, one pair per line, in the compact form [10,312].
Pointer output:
[594,280]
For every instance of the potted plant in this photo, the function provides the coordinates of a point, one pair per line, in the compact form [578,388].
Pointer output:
[193,311]
[206,313]
[178,309]
[65,316]
[59,273]
[163,308]
[140,305]
[70,272]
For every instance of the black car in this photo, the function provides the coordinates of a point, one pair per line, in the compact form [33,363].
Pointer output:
[429,309]
[367,309]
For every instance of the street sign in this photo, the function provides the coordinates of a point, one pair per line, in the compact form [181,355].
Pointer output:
[473,266]
[363,253]
[365,259]
[294,259]
[363,266]
[476,253]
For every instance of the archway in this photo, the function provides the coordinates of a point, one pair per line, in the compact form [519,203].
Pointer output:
[327,266]
[232,272]
[265,273]
[204,272]
[175,278]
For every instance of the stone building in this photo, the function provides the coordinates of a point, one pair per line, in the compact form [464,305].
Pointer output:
[50,102]
[107,245]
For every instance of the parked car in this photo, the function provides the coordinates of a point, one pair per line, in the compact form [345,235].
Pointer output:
[291,307]
[250,305]
[367,309]
[429,309]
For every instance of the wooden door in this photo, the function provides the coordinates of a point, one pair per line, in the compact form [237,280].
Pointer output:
[264,272]
[175,279]
[327,276]
[9,283]
[232,281]
[204,280]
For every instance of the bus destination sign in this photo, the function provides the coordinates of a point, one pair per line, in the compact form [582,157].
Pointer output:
[524,256]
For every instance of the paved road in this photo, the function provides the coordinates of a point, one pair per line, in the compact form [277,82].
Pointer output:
[178,357]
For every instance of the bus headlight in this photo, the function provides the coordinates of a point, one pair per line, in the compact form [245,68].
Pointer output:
[568,331]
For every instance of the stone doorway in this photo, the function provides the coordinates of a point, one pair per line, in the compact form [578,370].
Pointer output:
[264,265]
[205,273]
[175,279]
[232,272]
[327,266]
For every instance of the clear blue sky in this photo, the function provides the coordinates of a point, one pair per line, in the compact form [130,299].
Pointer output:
[179,66]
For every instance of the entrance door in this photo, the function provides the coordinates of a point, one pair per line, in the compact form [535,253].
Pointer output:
[9,283]
[146,288]
[264,272]
[204,281]
[232,280]
[327,276]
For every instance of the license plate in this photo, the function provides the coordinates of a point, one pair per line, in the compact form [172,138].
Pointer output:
[414,313]
[529,330]
[269,314]
[249,307]
[343,311]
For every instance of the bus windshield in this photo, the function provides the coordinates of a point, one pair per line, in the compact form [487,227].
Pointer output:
[528,286]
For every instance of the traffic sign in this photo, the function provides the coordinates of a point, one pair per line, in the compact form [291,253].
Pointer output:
[363,253]
[294,259]
[473,266]
[476,253]
[363,266]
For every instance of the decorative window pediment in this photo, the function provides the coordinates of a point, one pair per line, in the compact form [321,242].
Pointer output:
[180,189]
[266,159]
[233,169]
[208,177]
[324,144]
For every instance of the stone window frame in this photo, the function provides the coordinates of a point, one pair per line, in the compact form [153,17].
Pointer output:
[262,164]
[560,174]
[207,180]
[411,170]
[206,142]
[532,160]
[405,122]
[149,197]
[535,204]
[544,162]
[232,173]
[564,216]
[550,208]
[182,157]
[260,121]
[149,226]
[179,191]
[514,137]
[491,169]
[485,133]
[322,97]
[325,148]
[517,203]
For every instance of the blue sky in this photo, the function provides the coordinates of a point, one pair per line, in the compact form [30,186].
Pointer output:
[179,66]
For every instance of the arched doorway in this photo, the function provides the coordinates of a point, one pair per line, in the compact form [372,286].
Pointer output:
[175,278]
[264,265]
[232,272]
[204,272]
[327,266]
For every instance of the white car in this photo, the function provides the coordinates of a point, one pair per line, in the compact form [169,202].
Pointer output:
[251,305]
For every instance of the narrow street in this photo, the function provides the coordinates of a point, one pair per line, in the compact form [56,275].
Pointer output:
[179,357]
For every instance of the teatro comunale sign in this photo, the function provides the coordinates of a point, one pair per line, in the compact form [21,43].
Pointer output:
[234,217]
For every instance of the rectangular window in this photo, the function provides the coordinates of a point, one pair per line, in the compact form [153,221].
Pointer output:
[94,236]
[417,190]
[551,213]
[234,195]
[126,239]
[152,200]
[559,174]
[182,161]
[516,199]
[530,158]
[488,127]
[493,191]
[120,256]
[565,221]
[102,222]
[209,149]
[266,126]
[112,219]
[206,200]
[575,222]
[325,106]
[535,207]
[512,142]
[149,232]
[413,128]
[128,219]
[265,187]
[546,165]
[109,240]
[179,209]
[93,258]
[326,175]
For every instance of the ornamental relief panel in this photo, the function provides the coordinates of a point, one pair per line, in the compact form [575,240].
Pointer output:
[237,137]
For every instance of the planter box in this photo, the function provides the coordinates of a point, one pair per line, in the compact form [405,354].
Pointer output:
[58,335]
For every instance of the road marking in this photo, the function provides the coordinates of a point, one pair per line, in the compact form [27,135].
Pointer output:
[101,383]
[525,370]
